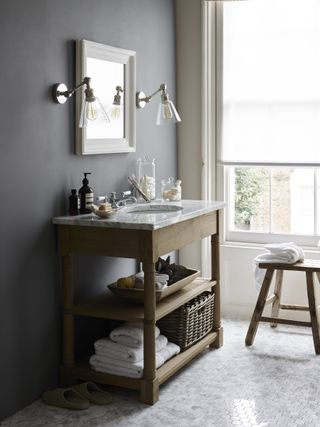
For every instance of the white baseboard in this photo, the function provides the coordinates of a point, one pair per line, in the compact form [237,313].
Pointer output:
[244,312]
[233,311]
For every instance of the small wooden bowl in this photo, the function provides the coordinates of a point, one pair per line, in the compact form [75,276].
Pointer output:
[103,214]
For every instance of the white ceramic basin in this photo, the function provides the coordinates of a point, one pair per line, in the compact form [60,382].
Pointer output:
[152,209]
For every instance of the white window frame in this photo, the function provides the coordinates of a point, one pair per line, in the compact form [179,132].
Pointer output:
[208,114]
[222,176]
[268,237]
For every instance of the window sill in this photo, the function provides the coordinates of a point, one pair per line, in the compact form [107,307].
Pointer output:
[252,246]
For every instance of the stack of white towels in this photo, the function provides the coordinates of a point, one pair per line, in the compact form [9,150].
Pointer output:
[278,253]
[122,352]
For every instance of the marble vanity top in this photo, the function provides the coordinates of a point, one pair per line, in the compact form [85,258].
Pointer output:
[145,220]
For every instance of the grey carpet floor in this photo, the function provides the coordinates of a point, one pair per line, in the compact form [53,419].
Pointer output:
[274,383]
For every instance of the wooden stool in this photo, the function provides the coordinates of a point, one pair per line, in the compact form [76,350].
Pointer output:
[309,266]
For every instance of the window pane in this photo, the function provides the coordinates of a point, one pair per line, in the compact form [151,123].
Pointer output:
[249,191]
[292,200]
[291,197]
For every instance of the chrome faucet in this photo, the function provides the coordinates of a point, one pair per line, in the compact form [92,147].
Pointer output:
[125,197]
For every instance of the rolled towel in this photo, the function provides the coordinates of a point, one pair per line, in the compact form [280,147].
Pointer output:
[130,333]
[139,284]
[131,369]
[161,280]
[158,276]
[168,351]
[106,347]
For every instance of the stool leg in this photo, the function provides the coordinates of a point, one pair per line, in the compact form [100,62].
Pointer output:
[313,312]
[277,292]
[259,306]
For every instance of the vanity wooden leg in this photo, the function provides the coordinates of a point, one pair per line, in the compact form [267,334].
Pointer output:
[66,378]
[68,318]
[149,384]
[149,391]
[215,275]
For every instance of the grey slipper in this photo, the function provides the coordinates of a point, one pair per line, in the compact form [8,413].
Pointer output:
[93,393]
[65,398]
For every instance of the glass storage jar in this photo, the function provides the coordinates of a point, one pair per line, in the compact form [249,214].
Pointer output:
[146,176]
[171,189]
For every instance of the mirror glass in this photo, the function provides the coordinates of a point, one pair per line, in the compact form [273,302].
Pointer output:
[105,90]
[112,74]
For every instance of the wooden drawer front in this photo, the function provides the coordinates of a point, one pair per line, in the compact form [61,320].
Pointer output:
[177,236]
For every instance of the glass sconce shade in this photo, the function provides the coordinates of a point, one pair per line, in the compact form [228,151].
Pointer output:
[167,113]
[92,110]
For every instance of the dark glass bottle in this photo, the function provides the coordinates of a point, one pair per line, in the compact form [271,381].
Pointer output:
[86,195]
[74,203]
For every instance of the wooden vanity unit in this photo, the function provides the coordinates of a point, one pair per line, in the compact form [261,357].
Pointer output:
[143,237]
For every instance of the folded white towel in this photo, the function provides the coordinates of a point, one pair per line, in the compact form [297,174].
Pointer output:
[130,333]
[117,370]
[282,253]
[134,370]
[288,253]
[106,347]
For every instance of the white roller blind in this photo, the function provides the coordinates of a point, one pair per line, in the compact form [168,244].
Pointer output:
[270,74]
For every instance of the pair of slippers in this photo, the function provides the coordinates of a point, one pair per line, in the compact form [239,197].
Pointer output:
[77,397]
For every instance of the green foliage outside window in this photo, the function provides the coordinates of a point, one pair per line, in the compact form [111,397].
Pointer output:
[249,183]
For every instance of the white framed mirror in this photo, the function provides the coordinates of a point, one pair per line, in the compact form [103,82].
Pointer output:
[109,69]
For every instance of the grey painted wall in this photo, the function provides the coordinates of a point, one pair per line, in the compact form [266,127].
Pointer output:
[38,167]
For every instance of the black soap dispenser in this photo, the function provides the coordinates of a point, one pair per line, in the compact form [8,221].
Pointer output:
[86,195]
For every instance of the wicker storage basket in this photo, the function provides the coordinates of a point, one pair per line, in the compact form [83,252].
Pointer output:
[190,322]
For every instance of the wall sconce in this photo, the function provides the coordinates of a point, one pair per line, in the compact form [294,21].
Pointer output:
[167,112]
[91,107]
[115,110]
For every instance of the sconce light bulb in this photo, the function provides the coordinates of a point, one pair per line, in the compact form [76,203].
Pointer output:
[88,112]
[115,112]
[166,111]
[91,111]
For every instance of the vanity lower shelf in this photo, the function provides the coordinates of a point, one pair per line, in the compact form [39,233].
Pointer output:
[108,306]
[82,370]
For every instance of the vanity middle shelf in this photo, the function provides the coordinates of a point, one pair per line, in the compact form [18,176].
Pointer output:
[108,306]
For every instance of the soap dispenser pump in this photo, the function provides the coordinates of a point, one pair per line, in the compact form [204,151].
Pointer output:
[86,195]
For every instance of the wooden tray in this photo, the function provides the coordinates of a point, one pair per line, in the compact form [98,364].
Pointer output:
[137,295]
